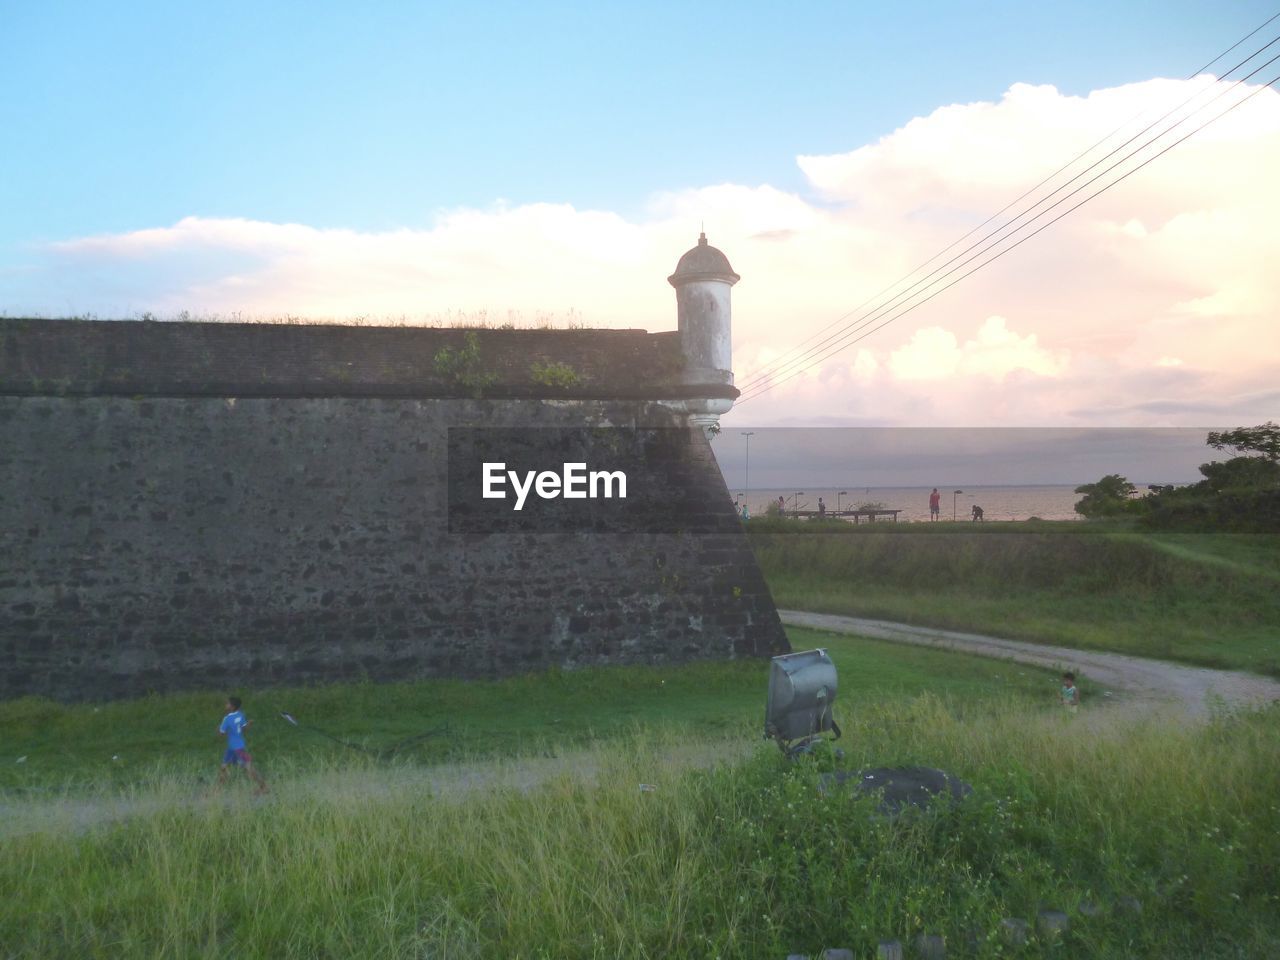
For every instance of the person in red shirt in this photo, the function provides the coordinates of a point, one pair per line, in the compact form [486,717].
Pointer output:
[935,504]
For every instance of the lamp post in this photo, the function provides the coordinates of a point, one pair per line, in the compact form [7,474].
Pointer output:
[953,504]
[748,434]
[842,493]
[795,502]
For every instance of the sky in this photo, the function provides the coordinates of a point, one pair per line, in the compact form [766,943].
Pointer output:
[547,164]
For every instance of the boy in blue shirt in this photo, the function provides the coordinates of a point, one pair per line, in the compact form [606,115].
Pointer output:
[233,727]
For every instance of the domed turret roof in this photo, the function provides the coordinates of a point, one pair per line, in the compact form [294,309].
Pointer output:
[703,262]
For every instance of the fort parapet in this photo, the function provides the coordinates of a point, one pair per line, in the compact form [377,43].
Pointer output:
[183,359]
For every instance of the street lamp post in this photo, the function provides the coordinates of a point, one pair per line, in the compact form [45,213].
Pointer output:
[842,493]
[748,434]
[795,502]
[953,504]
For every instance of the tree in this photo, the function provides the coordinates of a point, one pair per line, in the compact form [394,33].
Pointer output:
[1106,498]
[1241,473]
[1240,494]
[1258,472]
[1263,439]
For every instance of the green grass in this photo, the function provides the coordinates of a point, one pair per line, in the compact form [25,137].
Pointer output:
[746,860]
[1208,600]
[1249,555]
[371,854]
[70,745]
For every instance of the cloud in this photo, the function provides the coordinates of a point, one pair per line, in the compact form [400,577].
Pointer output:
[935,354]
[1153,305]
[1169,271]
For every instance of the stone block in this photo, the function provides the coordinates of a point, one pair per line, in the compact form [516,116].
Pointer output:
[931,946]
[899,787]
[1052,923]
[1128,905]
[1015,931]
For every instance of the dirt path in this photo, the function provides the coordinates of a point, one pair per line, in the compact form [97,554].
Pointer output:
[1192,689]
[70,814]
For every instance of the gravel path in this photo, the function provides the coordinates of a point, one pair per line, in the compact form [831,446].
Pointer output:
[1151,682]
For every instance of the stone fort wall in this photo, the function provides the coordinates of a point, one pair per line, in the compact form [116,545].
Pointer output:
[196,505]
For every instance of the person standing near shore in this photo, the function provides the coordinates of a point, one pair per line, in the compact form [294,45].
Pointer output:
[935,504]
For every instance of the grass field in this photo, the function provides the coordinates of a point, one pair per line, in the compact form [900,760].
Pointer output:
[74,745]
[746,860]
[1209,600]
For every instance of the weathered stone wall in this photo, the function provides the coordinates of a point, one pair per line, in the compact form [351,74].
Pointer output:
[162,542]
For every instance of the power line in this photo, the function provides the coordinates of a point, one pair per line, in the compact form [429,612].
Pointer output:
[774,367]
[1234,45]
[921,285]
[778,368]
[997,256]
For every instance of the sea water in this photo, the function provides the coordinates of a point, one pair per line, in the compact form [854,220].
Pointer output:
[1055,502]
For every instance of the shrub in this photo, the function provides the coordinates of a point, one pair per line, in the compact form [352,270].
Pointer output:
[462,367]
[557,375]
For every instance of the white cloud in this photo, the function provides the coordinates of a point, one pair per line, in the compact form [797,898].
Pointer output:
[935,354]
[864,365]
[1169,273]
[932,354]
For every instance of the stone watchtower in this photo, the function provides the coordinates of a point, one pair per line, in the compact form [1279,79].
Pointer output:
[703,280]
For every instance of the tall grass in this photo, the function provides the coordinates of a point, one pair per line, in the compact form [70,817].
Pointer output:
[746,859]
[1209,601]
